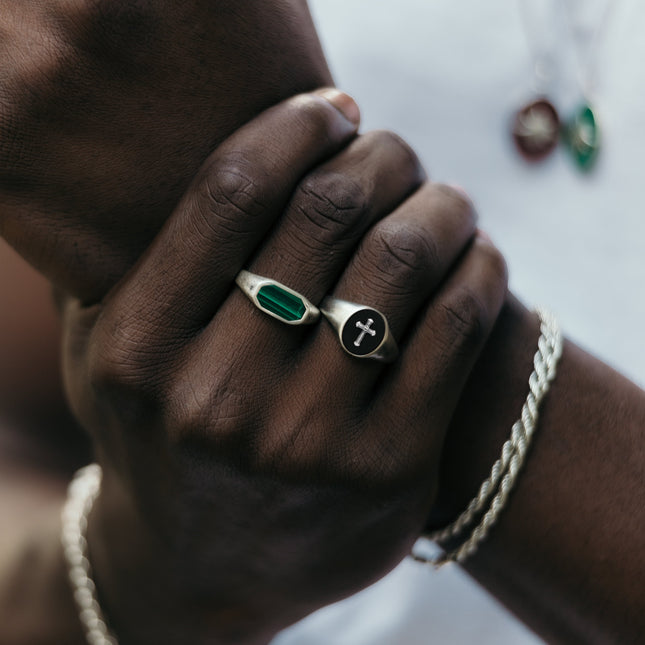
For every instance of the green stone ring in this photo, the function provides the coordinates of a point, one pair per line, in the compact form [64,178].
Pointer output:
[277,300]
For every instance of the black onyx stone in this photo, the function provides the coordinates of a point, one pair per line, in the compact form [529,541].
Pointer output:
[363,332]
[536,129]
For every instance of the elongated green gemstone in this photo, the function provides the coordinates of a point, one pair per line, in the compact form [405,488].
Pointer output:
[281,303]
[582,137]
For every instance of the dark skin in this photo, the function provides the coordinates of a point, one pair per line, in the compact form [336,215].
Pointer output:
[149,85]
[245,473]
[553,572]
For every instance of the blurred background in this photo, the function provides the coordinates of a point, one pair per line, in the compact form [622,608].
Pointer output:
[448,76]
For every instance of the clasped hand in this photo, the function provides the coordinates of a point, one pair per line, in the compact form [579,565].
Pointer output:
[253,471]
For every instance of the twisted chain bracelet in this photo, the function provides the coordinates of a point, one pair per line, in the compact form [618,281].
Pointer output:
[496,488]
[82,492]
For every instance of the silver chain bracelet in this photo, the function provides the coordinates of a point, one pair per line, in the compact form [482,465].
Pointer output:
[82,492]
[496,488]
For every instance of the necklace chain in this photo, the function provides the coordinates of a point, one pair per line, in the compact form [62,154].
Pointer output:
[587,43]
[543,30]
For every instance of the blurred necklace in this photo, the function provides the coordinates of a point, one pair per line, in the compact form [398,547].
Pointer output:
[537,126]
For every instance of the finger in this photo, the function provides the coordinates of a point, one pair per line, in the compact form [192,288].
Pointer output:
[333,208]
[330,212]
[399,264]
[440,352]
[239,192]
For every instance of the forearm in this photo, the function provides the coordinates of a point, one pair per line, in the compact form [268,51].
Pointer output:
[567,555]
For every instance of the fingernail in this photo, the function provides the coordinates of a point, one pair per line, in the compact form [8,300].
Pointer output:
[344,103]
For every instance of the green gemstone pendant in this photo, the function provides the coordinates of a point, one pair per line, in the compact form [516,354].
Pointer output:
[281,303]
[582,137]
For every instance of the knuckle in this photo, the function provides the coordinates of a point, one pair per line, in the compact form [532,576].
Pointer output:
[119,360]
[332,203]
[389,140]
[110,368]
[457,202]
[465,318]
[403,254]
[495,265]
[231,189]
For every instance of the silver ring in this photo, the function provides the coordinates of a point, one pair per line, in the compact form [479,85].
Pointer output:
[363,331]
[277,300]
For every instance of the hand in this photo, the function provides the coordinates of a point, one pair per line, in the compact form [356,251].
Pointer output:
[252,470]
[108,109]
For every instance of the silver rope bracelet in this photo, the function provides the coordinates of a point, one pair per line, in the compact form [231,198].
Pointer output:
[494,491]
[82,492]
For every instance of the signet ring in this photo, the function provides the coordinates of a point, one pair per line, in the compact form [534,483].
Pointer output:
[363,331]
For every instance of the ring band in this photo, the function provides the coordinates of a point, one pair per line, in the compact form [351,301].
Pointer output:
[363,331]
[277,300]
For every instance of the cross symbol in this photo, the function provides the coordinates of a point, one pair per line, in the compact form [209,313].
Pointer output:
[366,328]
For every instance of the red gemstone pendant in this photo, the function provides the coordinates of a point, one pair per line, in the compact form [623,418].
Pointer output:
[536,129]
